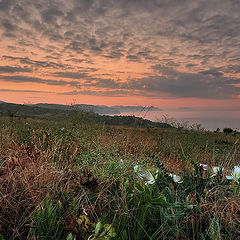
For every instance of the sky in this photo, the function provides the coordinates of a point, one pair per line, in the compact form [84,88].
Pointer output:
[171,54]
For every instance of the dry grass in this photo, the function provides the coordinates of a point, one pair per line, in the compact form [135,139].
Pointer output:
[50,165]
[26,177]
[28,174]
[227,208]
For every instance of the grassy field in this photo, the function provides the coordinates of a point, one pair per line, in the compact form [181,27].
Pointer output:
[62,179]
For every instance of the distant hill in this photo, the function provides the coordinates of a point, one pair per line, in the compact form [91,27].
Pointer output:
[18,110]
[77,115]
[100,109]
[125,109]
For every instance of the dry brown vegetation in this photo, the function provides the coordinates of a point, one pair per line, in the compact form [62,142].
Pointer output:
[89,164]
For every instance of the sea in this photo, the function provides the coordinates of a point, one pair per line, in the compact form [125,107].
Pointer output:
[209,120]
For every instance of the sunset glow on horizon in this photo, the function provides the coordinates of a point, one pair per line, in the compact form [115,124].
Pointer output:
[168,54]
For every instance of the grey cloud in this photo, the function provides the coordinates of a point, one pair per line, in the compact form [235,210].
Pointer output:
[50,15]
[213,72]
[231,69]
[133,58]
[110,93]
[25,43]
[42,64]
[90,80]
[85,80]
[105,83]
[73,75]
[22,79]
[53,35]
[8,26]
[164,69]
[76,46]
[11,47]
[5,4]
[114,54]
[9,35]
[23,13]
[26,91]
[210,85]
[76,60]
[10,69]
[191,65]
[82,74]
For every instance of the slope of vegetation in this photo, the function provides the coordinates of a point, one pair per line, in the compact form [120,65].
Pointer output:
[76,115]
[72,178]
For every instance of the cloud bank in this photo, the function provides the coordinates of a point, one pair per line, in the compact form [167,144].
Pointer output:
[165,49]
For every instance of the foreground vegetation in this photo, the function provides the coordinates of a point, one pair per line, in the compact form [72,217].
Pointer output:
[72,178]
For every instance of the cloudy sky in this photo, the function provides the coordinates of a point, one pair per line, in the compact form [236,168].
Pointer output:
[181,54]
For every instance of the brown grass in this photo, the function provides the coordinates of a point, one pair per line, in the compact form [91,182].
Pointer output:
[26,177]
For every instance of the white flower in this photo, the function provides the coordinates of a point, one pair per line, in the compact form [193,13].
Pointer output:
[235,176]
[176,178]
[203,169]
[144,174]
[203,166]
[160,164]
[216,170]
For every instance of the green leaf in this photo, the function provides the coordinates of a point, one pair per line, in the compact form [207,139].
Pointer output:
[161,201]
[124,235]
[70,236]
[179,214]
[139,187]
[98,227]
[189,207]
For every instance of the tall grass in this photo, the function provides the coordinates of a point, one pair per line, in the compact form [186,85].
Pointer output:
[64,180]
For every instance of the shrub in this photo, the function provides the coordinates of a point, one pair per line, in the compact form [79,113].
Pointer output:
[227,130]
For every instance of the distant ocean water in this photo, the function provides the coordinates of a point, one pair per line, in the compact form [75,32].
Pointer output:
[210,120]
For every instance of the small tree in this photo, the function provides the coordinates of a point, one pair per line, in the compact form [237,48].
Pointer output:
[227,130]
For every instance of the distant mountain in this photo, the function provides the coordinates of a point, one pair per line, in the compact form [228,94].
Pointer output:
[18,110]
[100,109]
[51,106]
[125,109]
[50,111]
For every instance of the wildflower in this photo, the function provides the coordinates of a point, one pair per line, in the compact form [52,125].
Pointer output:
[217,170]
[235,176]
[160,164]
[176,178]
[203,168]
[144,174]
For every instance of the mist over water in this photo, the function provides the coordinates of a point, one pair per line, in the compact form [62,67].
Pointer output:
[210,120]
